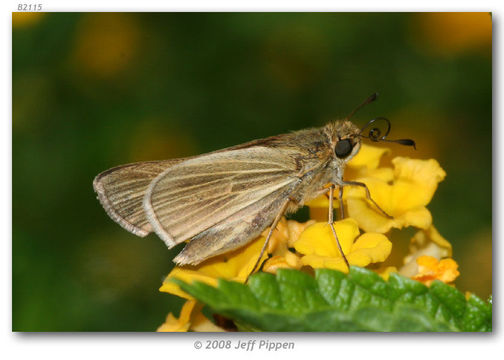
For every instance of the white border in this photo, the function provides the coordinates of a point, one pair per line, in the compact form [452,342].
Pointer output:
[138,346]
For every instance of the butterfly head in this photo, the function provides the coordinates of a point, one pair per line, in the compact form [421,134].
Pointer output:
[345,139]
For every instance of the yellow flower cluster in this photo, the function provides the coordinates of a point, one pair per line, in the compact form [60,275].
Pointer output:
[190,317]
[402,190]
[431,269]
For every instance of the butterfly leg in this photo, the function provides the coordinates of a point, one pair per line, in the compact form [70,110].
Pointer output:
[272,228]
[368,196]
[342,210]
[331,222]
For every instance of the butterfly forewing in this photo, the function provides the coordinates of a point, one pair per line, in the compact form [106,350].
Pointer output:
[193,196]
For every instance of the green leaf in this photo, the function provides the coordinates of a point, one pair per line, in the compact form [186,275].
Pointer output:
[332,301]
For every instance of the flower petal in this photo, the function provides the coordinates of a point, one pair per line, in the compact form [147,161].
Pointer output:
[320,250]
[415,182]
[172,324]
[236,265]
[430,269]
[322,202]
[200,323]
[368,157]
[386,271]
[365,213]
[289,261]
[425,174]
[433,234]
[427,242]
[326,262]
[318,238]
[419,217]
[369,248]
[285,234]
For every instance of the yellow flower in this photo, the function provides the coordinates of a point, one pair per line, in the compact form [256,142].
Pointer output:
[287,261]
[235,265]
[285,235]
[172,324]
[190,318]
[386,271]
[200,323]
[367,159]
[427,242]
[320,250]
[283,238]
[364,165]
[405,198]
[403,191]
[430,269]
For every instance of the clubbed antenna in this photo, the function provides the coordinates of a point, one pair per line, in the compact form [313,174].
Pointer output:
[375,133]
[369,100]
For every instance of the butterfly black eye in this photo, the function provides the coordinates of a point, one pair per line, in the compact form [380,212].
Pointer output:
[343,148]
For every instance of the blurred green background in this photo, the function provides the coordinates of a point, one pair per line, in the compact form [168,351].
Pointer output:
[95,90]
